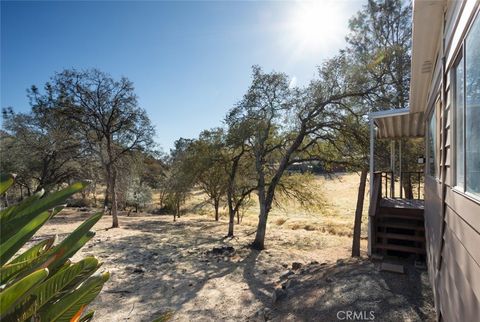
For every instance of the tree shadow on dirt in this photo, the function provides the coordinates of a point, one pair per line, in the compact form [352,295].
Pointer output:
[358,287]
[167,265]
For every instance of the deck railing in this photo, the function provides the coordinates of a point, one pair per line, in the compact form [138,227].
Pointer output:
[407,185]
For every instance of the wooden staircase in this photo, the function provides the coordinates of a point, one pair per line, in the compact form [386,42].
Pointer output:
[396,224]
[399,227]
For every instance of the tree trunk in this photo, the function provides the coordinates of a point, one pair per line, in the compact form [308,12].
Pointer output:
[5,196]
[176,213]
[231,222]
[216,205]
[106,200]
[94,187]
[114,200]
[162,201]
[265,204]
[259,242]
[358,214]
[238,216]
[407,187]
[231,213]
[231,210]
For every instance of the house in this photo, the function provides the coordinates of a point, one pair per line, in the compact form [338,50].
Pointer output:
[444,108]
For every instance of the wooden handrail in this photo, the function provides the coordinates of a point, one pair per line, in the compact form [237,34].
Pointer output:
[414,179]
[376,194]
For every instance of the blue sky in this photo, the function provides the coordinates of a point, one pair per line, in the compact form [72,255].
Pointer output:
[189,61]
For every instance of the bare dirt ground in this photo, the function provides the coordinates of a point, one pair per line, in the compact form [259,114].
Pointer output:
[164,269]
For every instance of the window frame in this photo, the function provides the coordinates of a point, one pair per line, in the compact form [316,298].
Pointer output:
[461,56]
[433,114]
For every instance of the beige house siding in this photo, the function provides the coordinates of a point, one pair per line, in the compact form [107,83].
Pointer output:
[452,219]
[433,229]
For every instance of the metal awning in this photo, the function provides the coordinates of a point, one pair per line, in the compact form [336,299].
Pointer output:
[399,123]
[392,124]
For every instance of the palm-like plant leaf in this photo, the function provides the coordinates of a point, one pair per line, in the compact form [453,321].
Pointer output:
[56,257]
[6,180]
[18,292]
[9,271]
[51,289]
[73,242]
[6,213]
[66,307]
[9,247]
[28,213]
[41,283]
[34,251]
[87,317]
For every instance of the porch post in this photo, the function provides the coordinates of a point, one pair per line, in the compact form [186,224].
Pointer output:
[400,166]
[372,147]
[372,169]
[392,168]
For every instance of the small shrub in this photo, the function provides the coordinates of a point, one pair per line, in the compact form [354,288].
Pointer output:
[161,211]
[295,226]
[280,221]
[79,203]
[138,196]
[309,227]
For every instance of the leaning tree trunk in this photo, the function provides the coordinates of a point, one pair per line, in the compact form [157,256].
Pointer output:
[358,214]
[259,242]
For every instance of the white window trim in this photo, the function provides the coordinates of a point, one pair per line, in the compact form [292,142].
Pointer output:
[459,55]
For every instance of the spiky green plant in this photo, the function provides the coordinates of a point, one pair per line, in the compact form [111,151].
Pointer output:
[41,283]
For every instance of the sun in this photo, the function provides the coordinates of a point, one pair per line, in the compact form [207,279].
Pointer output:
[316,25]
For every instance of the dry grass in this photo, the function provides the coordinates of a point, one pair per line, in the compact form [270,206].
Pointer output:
[333,213]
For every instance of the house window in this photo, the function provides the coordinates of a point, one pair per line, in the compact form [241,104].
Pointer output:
[467,113]
[459,125]
[432,144]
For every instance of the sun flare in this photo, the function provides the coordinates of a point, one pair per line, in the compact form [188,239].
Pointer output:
[316,25]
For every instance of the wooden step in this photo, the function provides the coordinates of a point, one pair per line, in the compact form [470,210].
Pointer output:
[400,226]
[401,211]
[401,237]
[406,249]
[401,216]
